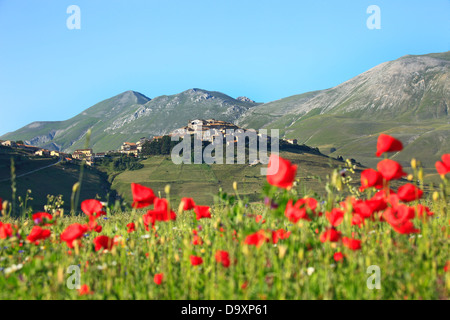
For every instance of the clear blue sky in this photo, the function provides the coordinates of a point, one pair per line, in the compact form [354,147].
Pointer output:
[265,50]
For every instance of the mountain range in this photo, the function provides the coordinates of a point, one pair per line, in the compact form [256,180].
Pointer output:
[408,98]
[130,116]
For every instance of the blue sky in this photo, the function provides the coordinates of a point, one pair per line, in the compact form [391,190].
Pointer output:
[265,50]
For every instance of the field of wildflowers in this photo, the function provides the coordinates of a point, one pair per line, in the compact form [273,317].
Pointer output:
[377,243]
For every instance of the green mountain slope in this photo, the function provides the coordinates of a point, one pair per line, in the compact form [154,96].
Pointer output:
[408,97]
[130,116]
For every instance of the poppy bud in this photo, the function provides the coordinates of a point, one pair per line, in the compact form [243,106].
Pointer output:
[5,205]
[75,187]
[420,174]
[413,163]
[435,196]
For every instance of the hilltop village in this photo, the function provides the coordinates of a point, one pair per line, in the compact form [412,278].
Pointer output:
[209,129]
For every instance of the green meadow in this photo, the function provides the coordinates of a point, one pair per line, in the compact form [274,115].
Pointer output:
[299,267]
[203,181]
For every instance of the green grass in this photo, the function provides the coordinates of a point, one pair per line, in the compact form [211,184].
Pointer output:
[300,267]
[55,180]
[23,162]
[357,138]
[203,181]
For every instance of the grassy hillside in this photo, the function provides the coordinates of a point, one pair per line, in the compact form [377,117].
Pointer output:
[202,181]
[23,163]
[426,141]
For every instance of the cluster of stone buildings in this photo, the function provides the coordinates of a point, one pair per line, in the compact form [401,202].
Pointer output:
[37,151]
[131,148]
[209,129]
[81,154]
[206,129]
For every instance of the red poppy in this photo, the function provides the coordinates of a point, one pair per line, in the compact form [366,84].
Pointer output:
[195,260]
[94,226]
[280,234]
[84,290]
[223,257]
[202,212]
[281,173]
[131,227]
[161,212]
[73,232]
[357,220]
[310,203]
[447,266]
[387,143]
[161,204]
[443,167]
[422,210]
[383,198]
[158,278]
[37,233]
[409,192]
[366,208]
[6,230]
[399,215]
[259,218]
[142,196]
[371,178]
[352,244]
[256,239]
[197,240]
[148,220]
[336,216]
[380,204]
[295,212]
[338,256]
[406,227]
[103,242]
[92,208]
[390,169]
[383,194]
[43,218]
[188,203]
[331,235]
